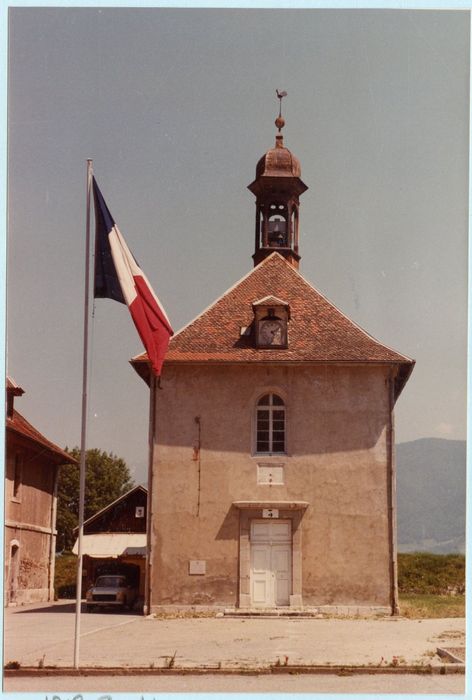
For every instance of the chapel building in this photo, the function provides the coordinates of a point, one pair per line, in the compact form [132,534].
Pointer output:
[272,478]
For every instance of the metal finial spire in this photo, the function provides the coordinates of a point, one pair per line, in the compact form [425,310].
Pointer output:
[280,121]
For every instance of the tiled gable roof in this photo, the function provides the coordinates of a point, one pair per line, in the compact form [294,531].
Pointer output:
[19,425]
[111,505]
[317,331]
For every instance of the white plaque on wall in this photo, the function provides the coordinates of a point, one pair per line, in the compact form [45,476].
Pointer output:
[197,567]
[270,473]
[270,513]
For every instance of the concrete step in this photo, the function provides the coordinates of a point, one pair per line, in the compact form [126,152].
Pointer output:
[270,613]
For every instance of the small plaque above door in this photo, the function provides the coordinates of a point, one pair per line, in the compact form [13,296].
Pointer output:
[270,513]
[270,473]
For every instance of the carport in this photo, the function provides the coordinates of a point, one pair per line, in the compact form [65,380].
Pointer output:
[114,552]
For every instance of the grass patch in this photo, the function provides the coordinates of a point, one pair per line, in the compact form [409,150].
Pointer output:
[424,573]
[417,605]
[184,614]
[65,576]
[431,585]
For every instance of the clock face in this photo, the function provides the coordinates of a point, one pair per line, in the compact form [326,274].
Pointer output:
[270,332]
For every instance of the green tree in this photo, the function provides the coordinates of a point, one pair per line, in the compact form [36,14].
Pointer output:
[107,477]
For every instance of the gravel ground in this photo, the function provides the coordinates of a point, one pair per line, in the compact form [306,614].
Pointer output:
[45,635]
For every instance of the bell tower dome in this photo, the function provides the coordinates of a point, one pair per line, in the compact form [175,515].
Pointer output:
[277,188]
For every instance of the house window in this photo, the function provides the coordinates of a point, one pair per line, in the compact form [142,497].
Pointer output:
[17,476]
[270,425]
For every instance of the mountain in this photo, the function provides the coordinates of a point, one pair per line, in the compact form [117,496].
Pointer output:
[431,495]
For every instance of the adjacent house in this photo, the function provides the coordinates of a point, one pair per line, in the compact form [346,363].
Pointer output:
[272,478]
[32,466]
[114,540]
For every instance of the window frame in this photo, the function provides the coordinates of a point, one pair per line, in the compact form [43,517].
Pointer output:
[17,480]
[271,408]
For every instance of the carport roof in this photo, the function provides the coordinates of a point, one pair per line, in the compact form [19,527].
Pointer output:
[111,545]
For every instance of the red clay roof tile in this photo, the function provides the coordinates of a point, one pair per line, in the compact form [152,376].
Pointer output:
[317,331]
[18,424]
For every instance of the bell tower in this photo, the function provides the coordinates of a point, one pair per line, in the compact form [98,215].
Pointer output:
[277,188]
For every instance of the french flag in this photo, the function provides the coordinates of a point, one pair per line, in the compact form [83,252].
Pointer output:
[119,277]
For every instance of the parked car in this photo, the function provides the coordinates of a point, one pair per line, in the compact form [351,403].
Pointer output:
[112,590]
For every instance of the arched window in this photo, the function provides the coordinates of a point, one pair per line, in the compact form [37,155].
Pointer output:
[277,226]
[270,424]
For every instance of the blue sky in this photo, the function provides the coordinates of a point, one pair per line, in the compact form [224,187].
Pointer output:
[176,106]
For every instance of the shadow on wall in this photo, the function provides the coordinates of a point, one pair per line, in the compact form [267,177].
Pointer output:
[327,408]
[229,528]
[326,433]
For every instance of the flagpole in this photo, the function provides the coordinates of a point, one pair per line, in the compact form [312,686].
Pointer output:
[84,420]
[150,499]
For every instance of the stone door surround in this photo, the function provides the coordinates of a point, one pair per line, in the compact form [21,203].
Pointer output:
[288,510]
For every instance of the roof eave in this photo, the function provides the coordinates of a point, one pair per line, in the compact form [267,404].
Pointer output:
[58,455]
[403,375]
[346,361]
[273,179]
[142,367]
[405,367]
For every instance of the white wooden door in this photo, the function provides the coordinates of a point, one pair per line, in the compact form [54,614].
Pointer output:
[261,575]
[280,564]
[271,549]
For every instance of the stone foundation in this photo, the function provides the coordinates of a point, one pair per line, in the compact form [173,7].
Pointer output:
[321,610]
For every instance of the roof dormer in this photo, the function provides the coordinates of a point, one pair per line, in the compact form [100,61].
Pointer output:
[271,316]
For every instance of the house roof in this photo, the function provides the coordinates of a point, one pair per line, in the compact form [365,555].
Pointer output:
[113,503]
[13,388]
[17,424]
[318,332]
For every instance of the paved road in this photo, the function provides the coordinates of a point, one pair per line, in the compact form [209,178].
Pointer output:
[412,684]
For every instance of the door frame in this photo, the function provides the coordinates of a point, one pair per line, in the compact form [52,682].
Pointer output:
[246,515]
[13,572]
